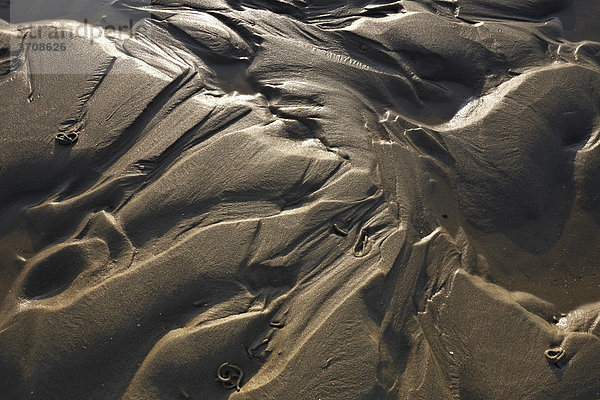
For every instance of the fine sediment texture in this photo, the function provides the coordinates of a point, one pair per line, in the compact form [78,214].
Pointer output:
[290,199]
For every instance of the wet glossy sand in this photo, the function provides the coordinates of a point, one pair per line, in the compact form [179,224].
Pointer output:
[302,200]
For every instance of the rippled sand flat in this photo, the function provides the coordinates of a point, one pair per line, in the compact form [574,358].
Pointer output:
[298,199]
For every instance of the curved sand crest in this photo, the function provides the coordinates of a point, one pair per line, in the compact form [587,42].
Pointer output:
[306,192]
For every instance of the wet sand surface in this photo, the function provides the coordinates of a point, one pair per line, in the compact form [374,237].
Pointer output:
[293,199]
[95,12]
